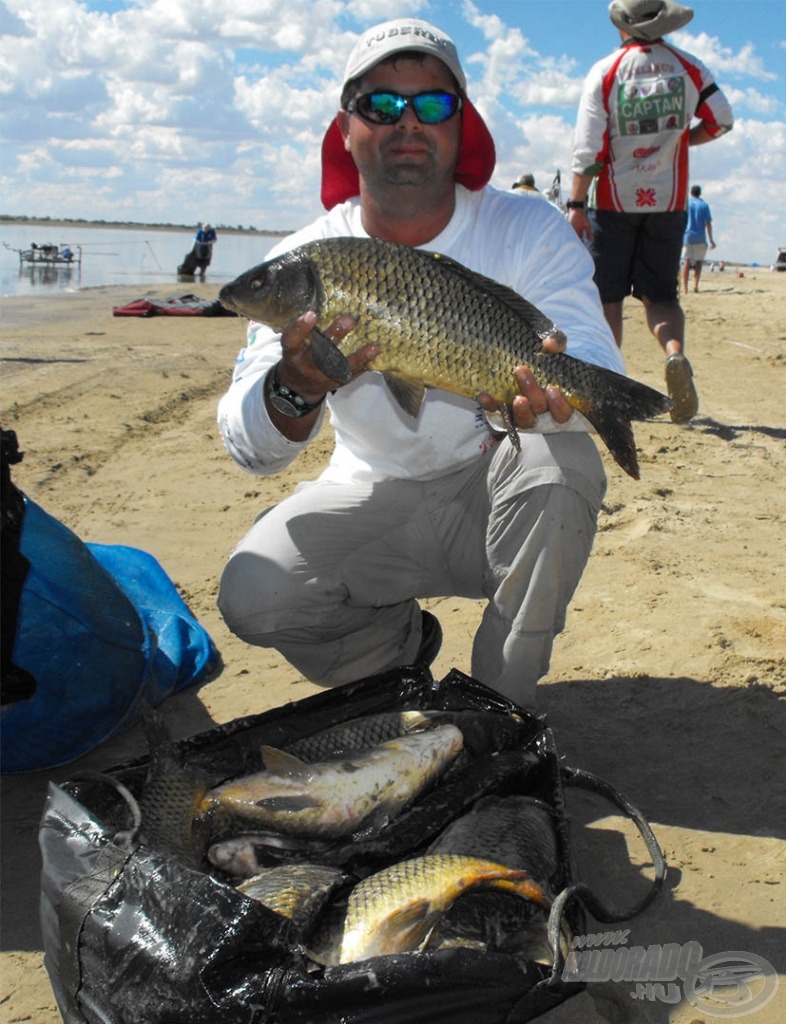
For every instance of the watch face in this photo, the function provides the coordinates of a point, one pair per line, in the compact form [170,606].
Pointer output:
[284,406]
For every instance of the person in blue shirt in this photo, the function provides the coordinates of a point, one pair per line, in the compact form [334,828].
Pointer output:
[694,243]
[204,240]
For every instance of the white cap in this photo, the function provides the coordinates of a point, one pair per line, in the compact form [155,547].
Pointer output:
[403,34]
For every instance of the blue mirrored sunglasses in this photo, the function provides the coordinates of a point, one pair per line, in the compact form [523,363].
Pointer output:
[388,107]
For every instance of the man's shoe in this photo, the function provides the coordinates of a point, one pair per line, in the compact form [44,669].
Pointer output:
[430,642]
[682,391]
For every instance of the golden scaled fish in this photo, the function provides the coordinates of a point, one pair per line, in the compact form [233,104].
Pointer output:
[438,325]
[297,892]
[396,909]
[333,799]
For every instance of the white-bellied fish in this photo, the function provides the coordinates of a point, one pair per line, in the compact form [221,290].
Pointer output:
[438,325]
[334,799]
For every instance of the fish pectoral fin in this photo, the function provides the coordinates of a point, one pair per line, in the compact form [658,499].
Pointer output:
[329,358]
[407,928]
[407,391]
[279,762]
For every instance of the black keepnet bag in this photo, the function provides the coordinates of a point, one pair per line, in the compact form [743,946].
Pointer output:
[135,936]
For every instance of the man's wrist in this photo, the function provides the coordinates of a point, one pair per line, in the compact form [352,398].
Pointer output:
[576,204]
[285,399]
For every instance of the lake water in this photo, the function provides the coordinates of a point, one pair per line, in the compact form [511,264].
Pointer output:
[118,256]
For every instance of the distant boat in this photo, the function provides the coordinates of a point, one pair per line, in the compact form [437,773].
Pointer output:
[48,255]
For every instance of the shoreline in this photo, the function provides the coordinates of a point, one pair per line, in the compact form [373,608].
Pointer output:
[57,222]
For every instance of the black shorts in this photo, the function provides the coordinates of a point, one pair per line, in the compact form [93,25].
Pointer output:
[637,254]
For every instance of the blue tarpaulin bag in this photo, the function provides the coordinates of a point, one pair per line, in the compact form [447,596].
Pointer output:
[99,632]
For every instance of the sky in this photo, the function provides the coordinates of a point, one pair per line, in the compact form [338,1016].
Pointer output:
[179,111]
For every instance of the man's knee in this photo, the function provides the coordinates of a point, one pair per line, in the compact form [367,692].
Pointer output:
[242,593]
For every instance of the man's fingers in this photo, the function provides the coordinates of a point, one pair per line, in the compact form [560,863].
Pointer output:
[559,407]
[531,390]
[556,342]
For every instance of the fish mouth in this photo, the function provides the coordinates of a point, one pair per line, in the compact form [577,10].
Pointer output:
[225,297]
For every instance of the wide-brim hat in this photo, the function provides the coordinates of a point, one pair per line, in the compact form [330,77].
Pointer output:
[474,167]
[649,19]
[403,34]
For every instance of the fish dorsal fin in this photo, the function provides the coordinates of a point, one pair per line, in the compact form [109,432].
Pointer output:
[542,325]
[279,762]
[409,393]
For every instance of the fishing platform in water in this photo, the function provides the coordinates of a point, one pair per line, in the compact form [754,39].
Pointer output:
[49,255]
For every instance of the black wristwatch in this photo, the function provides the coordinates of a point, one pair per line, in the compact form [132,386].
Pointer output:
[285,400]
[575,204]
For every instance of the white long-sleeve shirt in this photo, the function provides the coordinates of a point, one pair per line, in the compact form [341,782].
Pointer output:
[529,247]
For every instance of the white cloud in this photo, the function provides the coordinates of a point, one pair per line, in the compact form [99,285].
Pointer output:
[122,114]
[722,60]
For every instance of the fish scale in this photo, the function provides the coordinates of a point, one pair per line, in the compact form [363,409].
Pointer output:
[437,324]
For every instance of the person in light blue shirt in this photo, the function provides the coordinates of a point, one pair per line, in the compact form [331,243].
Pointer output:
[694,243]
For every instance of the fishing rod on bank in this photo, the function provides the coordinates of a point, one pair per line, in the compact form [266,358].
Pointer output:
[141,241]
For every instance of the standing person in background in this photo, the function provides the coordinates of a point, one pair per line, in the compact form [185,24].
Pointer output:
[525,183]
[204,240]
[694,244]
[633,131]
[331,575]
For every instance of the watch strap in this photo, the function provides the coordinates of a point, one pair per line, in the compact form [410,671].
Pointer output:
[285,399]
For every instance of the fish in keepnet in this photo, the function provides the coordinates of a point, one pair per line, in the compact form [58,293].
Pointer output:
[483,731]
[333,799]
[517,831]
[184,814]
[438,325]
[396,909]
[297,892]
[357,734]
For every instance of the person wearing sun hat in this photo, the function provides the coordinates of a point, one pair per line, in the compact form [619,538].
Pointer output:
[641,108]
[407,509]
[525,183]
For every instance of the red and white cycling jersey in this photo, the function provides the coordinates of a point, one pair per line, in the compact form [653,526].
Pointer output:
[632,125]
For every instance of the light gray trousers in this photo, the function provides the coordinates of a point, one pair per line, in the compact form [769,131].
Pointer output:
[330,576]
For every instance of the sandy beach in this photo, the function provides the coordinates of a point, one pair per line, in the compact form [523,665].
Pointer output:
[668,680]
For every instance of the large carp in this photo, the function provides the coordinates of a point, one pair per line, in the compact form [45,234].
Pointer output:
[438,325]
[334,799]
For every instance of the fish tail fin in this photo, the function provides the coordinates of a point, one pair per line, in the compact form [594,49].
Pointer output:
[172,797]
[620,399]
[617,435]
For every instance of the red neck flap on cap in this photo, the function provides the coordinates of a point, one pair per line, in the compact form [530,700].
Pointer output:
[477,157]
